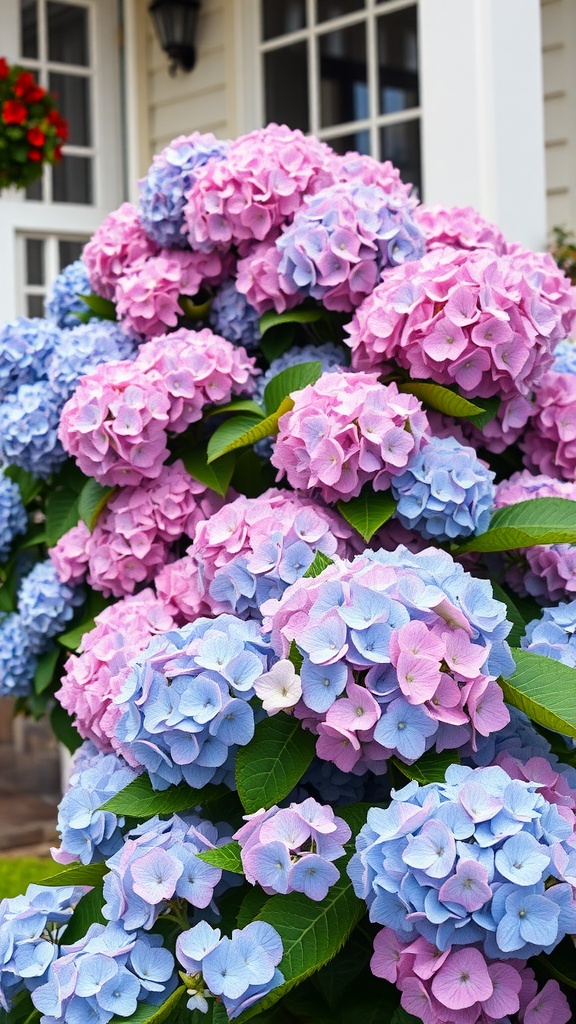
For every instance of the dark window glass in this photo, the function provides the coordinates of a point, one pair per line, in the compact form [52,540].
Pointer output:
[35,305]
[281,16]
[72,180]
[286,84]
[67,33]
[400,143]
[35,191]
[398,61]
[73,98]
[69,250]
[336,8]
[343,76]
[29,28]
[359,142]
[35,261]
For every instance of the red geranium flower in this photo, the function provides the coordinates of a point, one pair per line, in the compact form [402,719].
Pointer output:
[34,154]
[14,112]
[4,68]
[35,137]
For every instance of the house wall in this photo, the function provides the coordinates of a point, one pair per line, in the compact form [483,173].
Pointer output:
[559,68]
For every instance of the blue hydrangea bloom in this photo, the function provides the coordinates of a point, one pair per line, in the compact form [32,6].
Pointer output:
[87,833]
[81,349]
[482,858]
[13,518]
[25,349]
[173,172]
[232,316]
[106,974]
[445,491]
[30,926]
[62,303]
[46,605]
[554,634]
[29,421]
[565,356]
[472,596]
[177,731]
[519,739]
[17,661]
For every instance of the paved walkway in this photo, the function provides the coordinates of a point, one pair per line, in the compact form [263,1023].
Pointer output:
[29,794]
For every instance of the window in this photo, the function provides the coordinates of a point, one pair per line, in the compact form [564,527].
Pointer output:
[42,258]
[346,71]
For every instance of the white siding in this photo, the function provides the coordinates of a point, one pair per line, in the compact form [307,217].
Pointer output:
[559,69]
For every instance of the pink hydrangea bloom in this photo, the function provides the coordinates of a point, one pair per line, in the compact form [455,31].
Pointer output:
[549,443]
[459,227]
[256,188]
[485,323]
[96,675]
[345,430]
[115,423]
[554,786]
[197,368]
[546,573]
[118,244]
[147,293]
[133,538]
[250,550]
[258,279]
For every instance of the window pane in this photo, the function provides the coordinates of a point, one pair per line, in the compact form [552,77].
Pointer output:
[73,98]
[400,143]
[29,28]
[398,61]
[35,305]
[359,142]
[281,16]
[72,180]
[69,250]
[35,191]
[67,33]
[35,261]
[327,9]
[343,76]
[286,83]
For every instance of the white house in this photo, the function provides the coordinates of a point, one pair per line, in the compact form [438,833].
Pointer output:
[474,100]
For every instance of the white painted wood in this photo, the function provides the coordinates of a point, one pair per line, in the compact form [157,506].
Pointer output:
[559,71]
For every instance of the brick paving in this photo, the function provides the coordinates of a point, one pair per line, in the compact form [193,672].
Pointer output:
[29,791]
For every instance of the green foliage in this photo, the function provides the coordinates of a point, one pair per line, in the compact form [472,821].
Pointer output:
[321,562]
[30,486]
[295,657]
[538,521]
[103,308]
[225,857]
[241,431]
[92,500]
[544,689]
[77,874]
[292,316]
[285,383]
[63,729]
[431,767]
[139,800]
[62,513]
[269,767]
[216,477]
[87,911]
[45,669]
[368,512]
[513,614]
[73,638]
[145,1014]
[442,399]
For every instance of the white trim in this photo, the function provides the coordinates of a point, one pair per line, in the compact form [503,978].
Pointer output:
[135,15]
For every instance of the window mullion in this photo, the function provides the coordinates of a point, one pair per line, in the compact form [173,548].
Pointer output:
[372,58]
[313,70]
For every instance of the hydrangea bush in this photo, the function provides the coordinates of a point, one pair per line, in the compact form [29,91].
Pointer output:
[288,554]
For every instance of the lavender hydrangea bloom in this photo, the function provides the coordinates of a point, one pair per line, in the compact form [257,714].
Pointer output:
[87,833]
[163,191]
[232,316]
[62,304]
[45,605]
[13,518]
[106,974]
[554,634]
[482,858]
[29,421]
[30,926]
[25,349]
[17,662]
[565,356]
[178,731]
[158,864]
[445,491]
[80,350]
[519,739]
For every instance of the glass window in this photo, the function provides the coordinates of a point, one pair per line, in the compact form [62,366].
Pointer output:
[358,142]
[400,143]
[286,83]
[29,28]
[35,305]
[72,94]
[35,270]
[69,250]
[72,180]
[330,9]
[398,61]
[343,76]
[282,16]
[67,33]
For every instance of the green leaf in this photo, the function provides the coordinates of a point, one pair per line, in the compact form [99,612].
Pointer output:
[146,1014]
[285,383]
[217,477]
[45,670]
[241,431]
[431,767]
[225,857]
[400,1016]
[544,690]
[63,729]
[73,638]
[34,539]
[269,767]
[194,310]
[139,800]
[560,963]
[77,874]
[512,614]
[295,657]
[490,407]
[87,911]
[104,308]
[93,498]
[321,562]
[368,512]
[292,316]
[29,485]
[61,513]
[538,521]
[442,399]
[251,905]
[21,1012]
[277,341]
[240,405]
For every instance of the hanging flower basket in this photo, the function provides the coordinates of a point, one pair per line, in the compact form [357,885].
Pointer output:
[32,131]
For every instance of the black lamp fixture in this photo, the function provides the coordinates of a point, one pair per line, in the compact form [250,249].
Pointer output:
[176,22]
